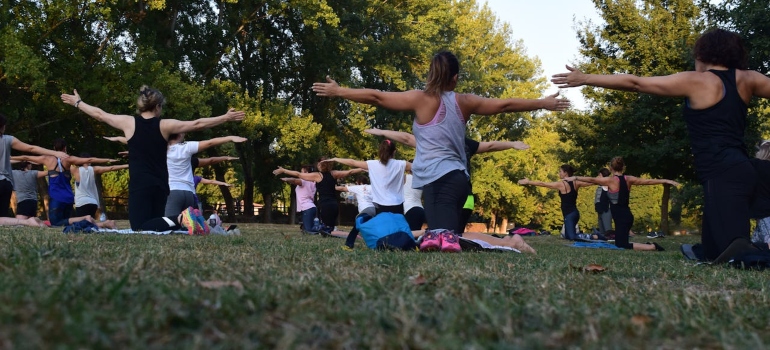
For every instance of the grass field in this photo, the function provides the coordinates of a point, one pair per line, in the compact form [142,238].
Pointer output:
[276,289]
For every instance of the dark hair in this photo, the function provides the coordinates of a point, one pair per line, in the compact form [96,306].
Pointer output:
[308,168]
[617,164]
[23,165]
[362,179]
[386,151]
[149,99]
[3,120]
[443,67]
[59,145]
[721,47]
[604,171]
[567,169]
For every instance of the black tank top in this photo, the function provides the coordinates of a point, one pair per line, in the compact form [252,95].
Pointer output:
[716,133]
[147,156]
[623,193]
[569,199]
[326,188]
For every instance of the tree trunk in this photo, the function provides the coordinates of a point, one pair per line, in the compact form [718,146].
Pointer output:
[503,225]
[492,222]
[664,209]
[268,208]
[219,174]
[293,206]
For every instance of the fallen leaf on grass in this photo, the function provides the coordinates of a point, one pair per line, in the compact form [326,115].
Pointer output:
[640,320]
[221,284]
[418,279]
[592,268]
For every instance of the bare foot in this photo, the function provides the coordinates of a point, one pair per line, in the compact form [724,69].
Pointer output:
[34,222]
[107,224]
[517,242]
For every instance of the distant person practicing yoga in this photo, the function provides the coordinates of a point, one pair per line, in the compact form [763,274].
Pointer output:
[25,186]
[568,193]
[147,137]
[326,183]
[619,191]
[439,128]
[602,204]
[305,199]
[716,98]
[8,142]
[760,208]
[86,193]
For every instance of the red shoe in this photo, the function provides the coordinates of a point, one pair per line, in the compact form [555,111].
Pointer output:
[450,243]
[431,241]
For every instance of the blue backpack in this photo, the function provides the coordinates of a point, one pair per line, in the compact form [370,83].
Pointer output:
[386,231]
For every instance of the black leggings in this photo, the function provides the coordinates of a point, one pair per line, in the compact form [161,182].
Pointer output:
[623,222]
[145,204]
[415,217]
[6,188]
[727,199]
[395,209]
[161,224]
[444,200]
[328,212]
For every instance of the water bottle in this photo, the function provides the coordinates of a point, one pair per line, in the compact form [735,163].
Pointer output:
[213,220]
[316,223]
[103,217]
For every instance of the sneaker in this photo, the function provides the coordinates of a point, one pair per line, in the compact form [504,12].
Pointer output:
[450,242]
[431,241]
[347,249]
[189,221]
[655,234]
[584,237]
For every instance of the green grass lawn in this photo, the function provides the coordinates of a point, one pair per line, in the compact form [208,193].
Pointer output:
[274,288]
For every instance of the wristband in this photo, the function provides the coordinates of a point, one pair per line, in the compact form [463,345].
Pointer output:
[78,102]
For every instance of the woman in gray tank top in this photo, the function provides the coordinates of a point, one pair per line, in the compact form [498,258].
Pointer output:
[439,128]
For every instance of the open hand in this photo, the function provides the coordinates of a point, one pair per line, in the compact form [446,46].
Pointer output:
[524,181]
[234,116]
[556,104]
[327,89]
[70,99]
[572,78]
[237,139]
[278,171]
[520,145]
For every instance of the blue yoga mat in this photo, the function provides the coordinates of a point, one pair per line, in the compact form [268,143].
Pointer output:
[595,245]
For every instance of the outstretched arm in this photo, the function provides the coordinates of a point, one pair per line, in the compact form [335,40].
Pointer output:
[397,101]
[213,160]
[675,85]
[601,181]
[31,159]
[203,145]
[401,137]
[472,104]
[80,161]
[633,180]
[124,123]
[495,146]
[106,169]
[292,180]
[315,177]
[215,182]
[349,162]
[23,147]
[41,174]
[552,185]
[338,174]
[760,84]
[121,139]
[173,126]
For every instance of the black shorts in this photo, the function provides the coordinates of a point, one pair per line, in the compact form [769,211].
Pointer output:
[27,208]
[86,209]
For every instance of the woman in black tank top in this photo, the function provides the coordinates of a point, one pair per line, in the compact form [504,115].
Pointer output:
[621,213]
[147,137]
[716,96]
[568,195]
[326,179]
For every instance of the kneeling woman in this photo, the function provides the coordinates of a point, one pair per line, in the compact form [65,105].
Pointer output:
[568,193]
[619,192]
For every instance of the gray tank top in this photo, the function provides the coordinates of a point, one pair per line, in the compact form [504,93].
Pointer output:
[85,189]
[5,158]
[440,143]
[25,185]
